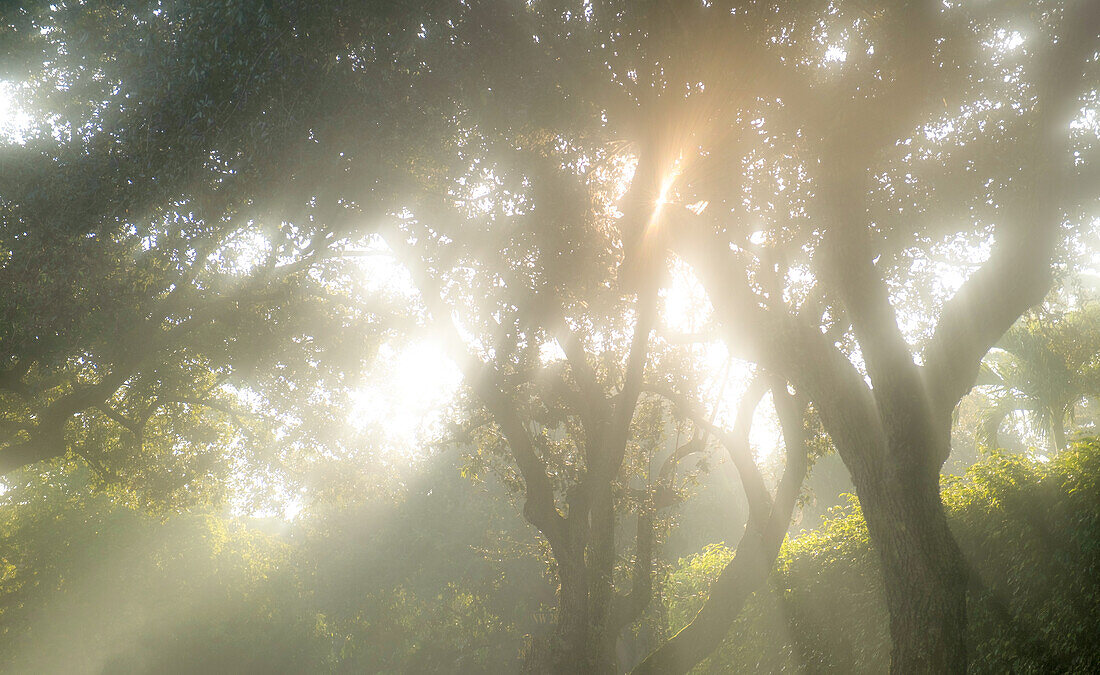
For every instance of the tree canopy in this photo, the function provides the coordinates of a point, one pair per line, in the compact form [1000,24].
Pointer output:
[216,218]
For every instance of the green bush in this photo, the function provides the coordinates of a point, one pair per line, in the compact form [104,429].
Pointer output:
[1030,529]
[394,585]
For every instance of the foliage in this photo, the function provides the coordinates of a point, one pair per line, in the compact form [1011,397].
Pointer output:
[167,316]
[180,309]
[1029,528]
[89,585]
[432,583]
[1046,366]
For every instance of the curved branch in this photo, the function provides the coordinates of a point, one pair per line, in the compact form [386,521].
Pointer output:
[787,346]
[752,562]
[1018,274]
[735,442]
[627,608]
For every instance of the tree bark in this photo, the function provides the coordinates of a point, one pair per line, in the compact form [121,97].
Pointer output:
[924,572]
[566,650]
[1057,428]
[601,562]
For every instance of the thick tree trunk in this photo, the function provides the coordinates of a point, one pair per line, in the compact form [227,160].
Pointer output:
[566,650]
[923,571]
[584,636]
[601,565]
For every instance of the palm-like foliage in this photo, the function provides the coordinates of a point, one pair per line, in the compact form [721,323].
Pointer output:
[1044,367]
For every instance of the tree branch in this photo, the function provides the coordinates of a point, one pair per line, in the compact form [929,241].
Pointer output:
[784,345]
[735,442]
[539,507]
[1018,273]
[752,561]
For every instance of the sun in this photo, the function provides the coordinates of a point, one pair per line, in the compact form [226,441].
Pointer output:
[15,122]
[407,394]
[665,193]
[413,381]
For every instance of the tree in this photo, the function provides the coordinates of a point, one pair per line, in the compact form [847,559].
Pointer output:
[1031,611]
[580,436]
[152,275]
[853,182]
[1045,366]
[823,181]
[250,167]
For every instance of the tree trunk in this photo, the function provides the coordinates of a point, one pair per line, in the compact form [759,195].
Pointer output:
[584,638]
[602,637]
[923,571]
[566,650]
[1057,428]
